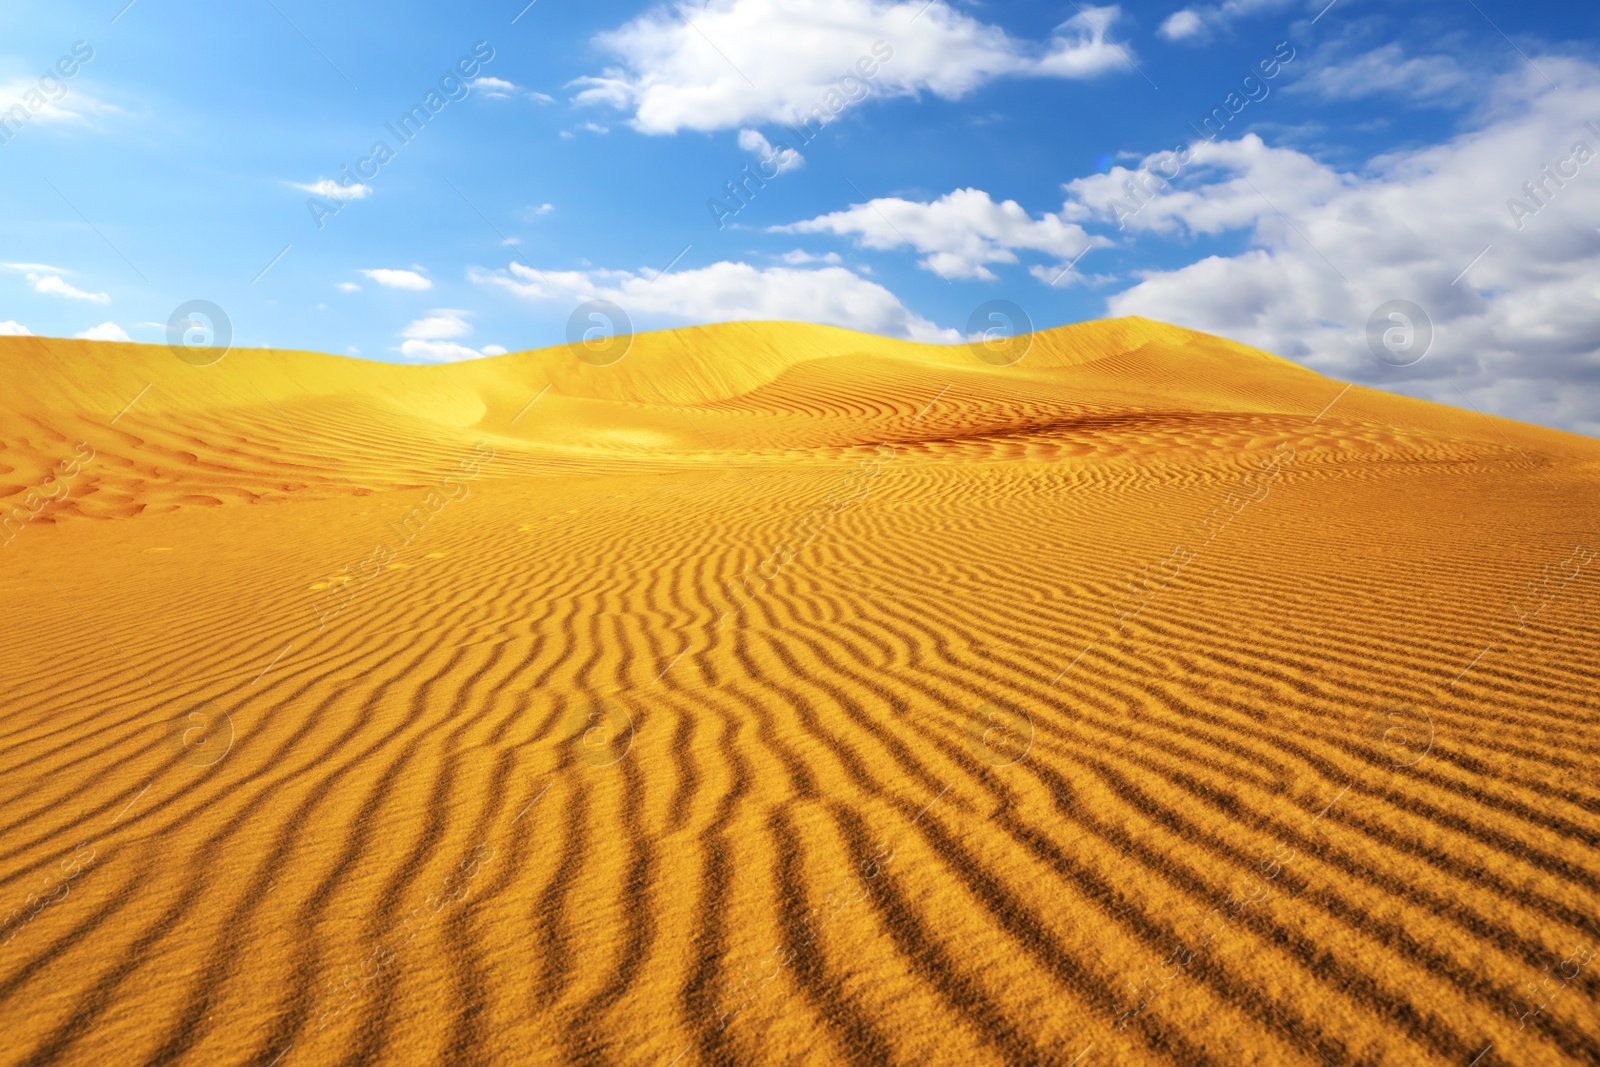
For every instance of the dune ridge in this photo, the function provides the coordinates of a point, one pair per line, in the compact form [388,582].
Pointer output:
[783,694]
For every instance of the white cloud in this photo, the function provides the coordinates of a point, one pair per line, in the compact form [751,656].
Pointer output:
[685,67]
[800,256]
[327,187]
[1387,71]
[1064,276]
[432,339]
[500,89]
[729,292]
[495,88]
[12,328]
[35,268]
[398,279]
[77,105]
[1080,48]
[1181,25]
[446,351]
[1519,331]
[957,234]
[438,326]
[106,331]
[348,287]
[754,142]
[53,285]
[1140,196]
[1196,23]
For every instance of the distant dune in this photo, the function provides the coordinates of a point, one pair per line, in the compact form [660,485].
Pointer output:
[781,694]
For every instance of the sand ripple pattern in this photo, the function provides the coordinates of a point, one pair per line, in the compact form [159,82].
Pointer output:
[783,695]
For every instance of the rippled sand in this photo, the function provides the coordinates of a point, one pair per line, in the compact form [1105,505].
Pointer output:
[780,694]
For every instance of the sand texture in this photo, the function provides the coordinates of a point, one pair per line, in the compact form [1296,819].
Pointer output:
[780,694]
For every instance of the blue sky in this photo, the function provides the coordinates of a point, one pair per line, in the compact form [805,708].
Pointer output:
[1372,152]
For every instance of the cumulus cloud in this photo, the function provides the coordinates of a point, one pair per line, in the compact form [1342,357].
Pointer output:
[55,285]
[726,64]
[348,287]
[1218,196]
[332,190]
[729,292]
[12,328]
[438,326]
[434,339]
[754,142]
[958,234]
[1502,254]
[1080,49]
[1181,25]
[398,279]
[106,331]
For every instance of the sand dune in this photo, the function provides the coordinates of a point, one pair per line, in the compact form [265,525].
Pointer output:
[781,694]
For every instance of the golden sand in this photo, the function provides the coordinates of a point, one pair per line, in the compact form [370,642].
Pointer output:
[781,694]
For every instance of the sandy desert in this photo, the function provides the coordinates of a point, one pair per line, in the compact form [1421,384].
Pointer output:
[782,694]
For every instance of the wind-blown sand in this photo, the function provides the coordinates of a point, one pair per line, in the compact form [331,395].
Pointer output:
[781,694]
